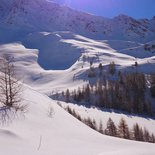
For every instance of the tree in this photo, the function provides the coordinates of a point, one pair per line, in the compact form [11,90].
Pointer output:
[10,90]
[138,133]
[100,68]
[67,94]
[146,135]
[136,63]
[111,128]
[152,89]
[86,93]
[112,68]
[10,86]
[90,123]
[123,129]
[152,138]
[91,72]
[101,127]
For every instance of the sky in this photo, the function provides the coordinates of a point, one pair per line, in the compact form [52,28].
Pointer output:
[111,8]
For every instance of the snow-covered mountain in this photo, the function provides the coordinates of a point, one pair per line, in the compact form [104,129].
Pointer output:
[42,15]
[40,35]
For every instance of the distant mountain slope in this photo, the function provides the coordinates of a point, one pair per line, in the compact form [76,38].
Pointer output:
[42,15]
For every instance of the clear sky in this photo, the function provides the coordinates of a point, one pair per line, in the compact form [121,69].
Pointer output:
[111,8]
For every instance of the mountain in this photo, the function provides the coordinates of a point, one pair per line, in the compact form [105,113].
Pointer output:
[42,15]
[53,47]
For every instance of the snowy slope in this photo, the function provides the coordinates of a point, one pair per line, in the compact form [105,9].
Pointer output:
[140,51]
[42,15]
[52,46]
[72,54]
[60,135]
[104,114]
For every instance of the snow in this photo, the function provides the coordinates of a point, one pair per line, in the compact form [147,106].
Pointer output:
[61,135]
[104,114]
[52,46]
[42,15]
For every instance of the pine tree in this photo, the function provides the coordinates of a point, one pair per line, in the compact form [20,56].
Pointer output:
[111,129]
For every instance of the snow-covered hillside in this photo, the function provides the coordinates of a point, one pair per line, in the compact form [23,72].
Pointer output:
[72,54]
[42,15]
[53,47]
[61,134]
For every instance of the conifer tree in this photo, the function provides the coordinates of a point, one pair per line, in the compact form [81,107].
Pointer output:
[111,128]
[138,133]
[146,135]
[123,129]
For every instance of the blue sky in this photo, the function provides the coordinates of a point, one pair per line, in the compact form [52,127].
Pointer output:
[111,8]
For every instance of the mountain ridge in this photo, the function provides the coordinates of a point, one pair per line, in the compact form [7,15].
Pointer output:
[42,15]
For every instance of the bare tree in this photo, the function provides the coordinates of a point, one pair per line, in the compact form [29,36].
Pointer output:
[10,89]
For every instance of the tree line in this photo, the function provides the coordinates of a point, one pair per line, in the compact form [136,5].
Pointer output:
[117,90]
[122,130]
[127,92]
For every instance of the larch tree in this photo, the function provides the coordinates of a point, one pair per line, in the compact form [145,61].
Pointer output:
[111,129]
[10,89]
[138,133]
[123,129]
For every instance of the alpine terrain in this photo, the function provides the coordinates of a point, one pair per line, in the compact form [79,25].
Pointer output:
[77,71]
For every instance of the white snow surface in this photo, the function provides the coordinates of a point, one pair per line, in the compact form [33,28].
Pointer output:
[62,134]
